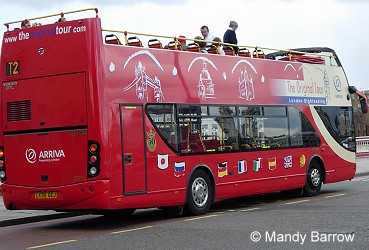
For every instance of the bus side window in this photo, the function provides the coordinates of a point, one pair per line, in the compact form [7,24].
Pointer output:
[162,116]
[275,132]
[229,133]
[247,140]
[302,133]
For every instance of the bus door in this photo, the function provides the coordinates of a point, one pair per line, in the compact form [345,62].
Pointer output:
[133,148]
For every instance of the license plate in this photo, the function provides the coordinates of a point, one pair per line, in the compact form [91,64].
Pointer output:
[46,195]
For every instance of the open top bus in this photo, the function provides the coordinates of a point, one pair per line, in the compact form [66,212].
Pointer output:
[93,119]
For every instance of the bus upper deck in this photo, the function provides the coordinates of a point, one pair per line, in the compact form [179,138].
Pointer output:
[318,56]
[85,46]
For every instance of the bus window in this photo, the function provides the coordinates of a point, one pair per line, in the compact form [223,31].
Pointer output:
[227,126]
[247,137]
[274,111]
[302,133]
[190,126]
[275,132]
[339,123]
[295,124]
[229,132]
[212,134]
[201,132]
[185,110]
[222,111]
[164,120]
[250,110]
[263,133]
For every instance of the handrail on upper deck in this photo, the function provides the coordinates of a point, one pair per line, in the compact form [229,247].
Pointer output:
[52,15]
[217,44]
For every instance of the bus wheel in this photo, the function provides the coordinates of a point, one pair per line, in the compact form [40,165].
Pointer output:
[313,179]
[199,194]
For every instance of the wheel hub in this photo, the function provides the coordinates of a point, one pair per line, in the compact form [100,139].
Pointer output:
[315,177]
[200,192]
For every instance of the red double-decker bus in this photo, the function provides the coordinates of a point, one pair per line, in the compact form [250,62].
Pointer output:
[91,124]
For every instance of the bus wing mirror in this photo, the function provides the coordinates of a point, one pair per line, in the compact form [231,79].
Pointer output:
[362,98]
[364,105]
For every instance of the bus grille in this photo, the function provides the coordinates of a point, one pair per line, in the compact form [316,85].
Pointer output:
[19,111]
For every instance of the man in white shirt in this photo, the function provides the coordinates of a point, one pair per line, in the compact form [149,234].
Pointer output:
[207,36]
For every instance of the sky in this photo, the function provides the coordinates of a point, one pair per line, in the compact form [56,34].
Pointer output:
[282,24]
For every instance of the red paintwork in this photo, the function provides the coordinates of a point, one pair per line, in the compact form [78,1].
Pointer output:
[60,102]
[73,84]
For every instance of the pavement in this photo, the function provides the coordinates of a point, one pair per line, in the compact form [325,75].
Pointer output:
[16,217]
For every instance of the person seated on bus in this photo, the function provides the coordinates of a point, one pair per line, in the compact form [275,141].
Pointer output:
[182,40]
[201,44]
[25,24]
[220,49]
[62,19]
[205,33]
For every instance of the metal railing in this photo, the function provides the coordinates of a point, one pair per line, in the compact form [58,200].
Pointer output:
[53,15]
[257,49]
[217,44]
[362,146]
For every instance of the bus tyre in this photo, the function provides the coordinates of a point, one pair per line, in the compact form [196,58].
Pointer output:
[313,179]
[199,194]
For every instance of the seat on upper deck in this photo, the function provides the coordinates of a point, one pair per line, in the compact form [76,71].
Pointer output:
[244,52]
[258,53]
[155,43]
[229,51]
[193,47]
[212,49]
[174,45]
[112,39]
[134,41]
[304,58]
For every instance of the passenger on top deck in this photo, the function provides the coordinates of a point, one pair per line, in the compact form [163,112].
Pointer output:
[205,33]
[62,19]
[25,24]
[182,40]
[217,39]
[201,44]
[230,35]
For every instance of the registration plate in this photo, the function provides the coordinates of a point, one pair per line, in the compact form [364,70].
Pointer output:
[46,195]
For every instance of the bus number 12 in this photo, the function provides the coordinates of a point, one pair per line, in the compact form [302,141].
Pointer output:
[12,68]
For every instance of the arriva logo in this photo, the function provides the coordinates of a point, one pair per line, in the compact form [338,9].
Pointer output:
[44,155]
[31,155]
[49,154]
